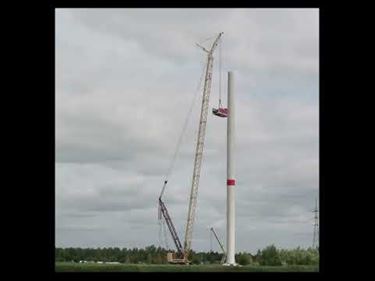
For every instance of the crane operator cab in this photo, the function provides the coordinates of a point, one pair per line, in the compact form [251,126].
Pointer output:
[220,111]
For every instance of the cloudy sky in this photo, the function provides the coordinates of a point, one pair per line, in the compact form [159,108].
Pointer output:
[125,79]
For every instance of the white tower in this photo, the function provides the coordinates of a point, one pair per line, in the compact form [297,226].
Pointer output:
[230,175]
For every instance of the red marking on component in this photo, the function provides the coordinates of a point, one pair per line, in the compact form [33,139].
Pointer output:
[231,182]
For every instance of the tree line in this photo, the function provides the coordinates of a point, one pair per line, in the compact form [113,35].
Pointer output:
[156,255]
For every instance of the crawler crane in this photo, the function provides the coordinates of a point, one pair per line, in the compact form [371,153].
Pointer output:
[182,254]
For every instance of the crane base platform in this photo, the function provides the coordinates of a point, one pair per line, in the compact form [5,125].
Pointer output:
[172,259]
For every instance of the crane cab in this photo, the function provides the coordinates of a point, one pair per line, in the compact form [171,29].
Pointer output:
[221,112]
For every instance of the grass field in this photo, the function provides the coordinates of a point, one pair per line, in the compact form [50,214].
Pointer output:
[76,267]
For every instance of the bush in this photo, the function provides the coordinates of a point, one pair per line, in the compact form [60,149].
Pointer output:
[270,256]
[244,259]
[196,259]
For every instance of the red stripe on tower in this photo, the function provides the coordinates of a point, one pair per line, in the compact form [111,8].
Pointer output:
[231,182]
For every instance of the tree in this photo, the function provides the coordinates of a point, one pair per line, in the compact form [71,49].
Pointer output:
[127,260]
[196,259]
[270,256]
[157,259]
[244,259]
[149,258]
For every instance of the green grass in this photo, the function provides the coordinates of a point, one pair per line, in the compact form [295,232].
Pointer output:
[76,267]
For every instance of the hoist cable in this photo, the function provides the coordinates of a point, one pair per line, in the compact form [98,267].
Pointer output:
[210,241]
[184,127]
[160,230]
[162,227]
[220,72]
[165,236]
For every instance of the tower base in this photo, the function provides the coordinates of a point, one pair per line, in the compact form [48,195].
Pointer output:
[231,264]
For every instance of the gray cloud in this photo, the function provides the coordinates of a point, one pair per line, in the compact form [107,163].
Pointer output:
[125,79]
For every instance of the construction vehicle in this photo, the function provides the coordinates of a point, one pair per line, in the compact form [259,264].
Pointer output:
[220,244]
[182,254]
